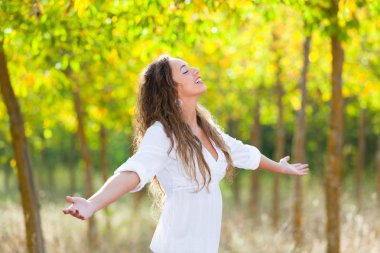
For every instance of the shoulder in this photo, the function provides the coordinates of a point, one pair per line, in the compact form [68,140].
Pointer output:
[220,131]
[229,140]
[156,132]
[156,127]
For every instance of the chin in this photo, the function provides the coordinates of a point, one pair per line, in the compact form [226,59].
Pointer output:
[203,90]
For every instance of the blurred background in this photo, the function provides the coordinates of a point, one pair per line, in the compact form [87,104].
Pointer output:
[298,78]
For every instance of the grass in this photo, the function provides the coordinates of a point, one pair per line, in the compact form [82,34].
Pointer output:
[131,232]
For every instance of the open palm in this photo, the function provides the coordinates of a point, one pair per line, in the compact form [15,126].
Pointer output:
[298,169]
[80,208]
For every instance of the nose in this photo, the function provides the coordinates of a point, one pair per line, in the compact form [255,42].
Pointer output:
[196,70]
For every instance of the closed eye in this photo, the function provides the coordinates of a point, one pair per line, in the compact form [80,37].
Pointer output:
[185,72]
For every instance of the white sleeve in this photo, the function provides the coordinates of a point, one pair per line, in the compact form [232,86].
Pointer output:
[150,157]
[243,155]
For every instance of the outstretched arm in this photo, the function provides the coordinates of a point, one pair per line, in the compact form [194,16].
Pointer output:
[115,187]
[283,166]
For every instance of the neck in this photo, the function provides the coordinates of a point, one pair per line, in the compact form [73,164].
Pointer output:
[189,112]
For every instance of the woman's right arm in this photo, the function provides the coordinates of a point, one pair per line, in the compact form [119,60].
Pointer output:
[115,187]
[131,176]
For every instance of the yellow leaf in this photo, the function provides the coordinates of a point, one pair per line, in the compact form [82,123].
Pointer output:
[80,6]
[13,163]
[113,57]
[48,133]
[209,47]
[29,80]
[313,56]
[295,100]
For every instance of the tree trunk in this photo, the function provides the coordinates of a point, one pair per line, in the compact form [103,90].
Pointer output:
[29,198]
[85,152]
[7,175]
[280,131]
[378,170]
[360,160]
[104,167]
[334,149]
[71,164]
[103,152]
[50,185]
[253,204]
[298,152]
[236,186]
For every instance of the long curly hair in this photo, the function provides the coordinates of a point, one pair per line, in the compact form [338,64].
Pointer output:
[158,101]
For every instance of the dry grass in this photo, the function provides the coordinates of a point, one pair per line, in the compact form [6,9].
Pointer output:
[132,232]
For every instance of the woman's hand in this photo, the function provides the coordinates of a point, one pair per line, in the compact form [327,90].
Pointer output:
[80,208]
[293,169]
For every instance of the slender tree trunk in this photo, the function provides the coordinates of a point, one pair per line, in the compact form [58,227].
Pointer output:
[253,204]
[360,160]
[280,131]
[298,151]
[85,152]
[236,186]
[378,170]
[50,184]
[29,198]
[334,147]
[7,175]
[104,167]
[103,152]
[71,164]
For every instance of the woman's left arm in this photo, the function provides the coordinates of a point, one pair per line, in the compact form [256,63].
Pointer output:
[283,167]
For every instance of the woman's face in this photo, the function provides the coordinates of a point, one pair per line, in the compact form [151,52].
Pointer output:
[187,78]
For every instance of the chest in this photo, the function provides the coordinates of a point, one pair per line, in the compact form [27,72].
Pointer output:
[174,177]
[207,144]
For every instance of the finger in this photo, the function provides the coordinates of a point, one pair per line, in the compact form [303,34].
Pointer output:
[302,166]
[301,173]
[75,213]
[70,199]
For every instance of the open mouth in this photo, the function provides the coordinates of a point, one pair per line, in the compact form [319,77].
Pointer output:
[198,81]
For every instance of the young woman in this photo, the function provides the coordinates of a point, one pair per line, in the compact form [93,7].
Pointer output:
[187,154]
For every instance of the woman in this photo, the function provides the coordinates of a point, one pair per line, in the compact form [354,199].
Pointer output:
[181,148]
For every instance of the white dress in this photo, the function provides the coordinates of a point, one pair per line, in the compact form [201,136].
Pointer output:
[190,221]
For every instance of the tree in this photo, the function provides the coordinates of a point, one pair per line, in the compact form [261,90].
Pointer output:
[360,164]
[298,151]
[253,204]
[335,136]
[29,198]
[85,152]
[280,129]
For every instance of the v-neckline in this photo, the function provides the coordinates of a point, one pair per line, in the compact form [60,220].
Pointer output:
[216,150]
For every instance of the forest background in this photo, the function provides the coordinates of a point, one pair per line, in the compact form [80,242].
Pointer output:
[298,78]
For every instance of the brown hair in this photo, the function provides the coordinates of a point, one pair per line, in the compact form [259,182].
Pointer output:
[158,101]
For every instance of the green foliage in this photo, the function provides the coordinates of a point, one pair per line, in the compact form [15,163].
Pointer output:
[102,46]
